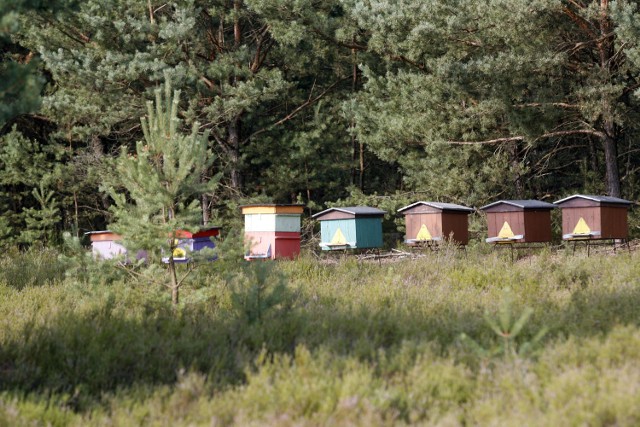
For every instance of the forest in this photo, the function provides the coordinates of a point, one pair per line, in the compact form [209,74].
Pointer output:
[152,117]
[317,102]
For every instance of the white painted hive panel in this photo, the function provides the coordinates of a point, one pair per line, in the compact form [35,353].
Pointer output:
[272,222]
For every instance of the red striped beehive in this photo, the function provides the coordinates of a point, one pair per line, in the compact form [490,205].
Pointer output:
[272,231]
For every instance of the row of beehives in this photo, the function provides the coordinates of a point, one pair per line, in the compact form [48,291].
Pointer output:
[273,231]
[584,217]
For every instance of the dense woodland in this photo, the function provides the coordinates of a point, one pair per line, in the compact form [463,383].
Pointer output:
[149,117]
[317,101]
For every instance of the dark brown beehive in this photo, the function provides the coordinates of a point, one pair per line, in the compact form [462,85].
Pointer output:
[428,222]
[594,217]
[518,221]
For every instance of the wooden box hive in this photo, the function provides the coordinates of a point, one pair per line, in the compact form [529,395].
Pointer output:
[192,242]
[586,217]
[428,222]
[272,231]
[104,244]
[518,221]
[353,227]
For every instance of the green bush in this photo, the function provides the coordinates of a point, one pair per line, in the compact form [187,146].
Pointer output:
[34,267]
[332,343]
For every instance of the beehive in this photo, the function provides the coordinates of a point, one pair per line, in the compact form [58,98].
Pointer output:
[518,221]
[587,217]
[104,244]
[428,222]
[188,242]
[354,227]
[272,231]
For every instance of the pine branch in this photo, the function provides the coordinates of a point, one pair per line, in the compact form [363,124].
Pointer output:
[189,271]
[310,101]
[488,142]
[406,60]
[579,20]
[151,17]
[571,132]
[546,104]
[522,138]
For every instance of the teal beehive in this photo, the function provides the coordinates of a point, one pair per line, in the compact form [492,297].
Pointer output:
[353,227]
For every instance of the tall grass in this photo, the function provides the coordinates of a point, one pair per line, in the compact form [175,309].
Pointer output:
[314,343]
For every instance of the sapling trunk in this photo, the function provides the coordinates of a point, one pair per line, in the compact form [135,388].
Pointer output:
[175,286]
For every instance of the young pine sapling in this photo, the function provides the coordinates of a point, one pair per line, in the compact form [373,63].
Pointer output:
[162,183]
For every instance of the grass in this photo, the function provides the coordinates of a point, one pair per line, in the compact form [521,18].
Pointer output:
[312,343]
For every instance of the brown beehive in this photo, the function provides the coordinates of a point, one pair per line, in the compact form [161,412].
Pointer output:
[428,222]
[594,217]
[518,221]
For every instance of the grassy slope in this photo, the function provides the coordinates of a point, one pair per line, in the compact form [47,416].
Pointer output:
[305,343]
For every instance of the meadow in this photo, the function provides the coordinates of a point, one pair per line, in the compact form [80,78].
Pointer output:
[449,339]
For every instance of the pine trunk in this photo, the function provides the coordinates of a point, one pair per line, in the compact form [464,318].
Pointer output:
[175,288]
[611,164]
[608,67]
[205,209]
[234,154]
[518,185]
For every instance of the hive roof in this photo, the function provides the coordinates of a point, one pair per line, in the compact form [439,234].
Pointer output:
[439,205]
[353,210]
[599,199]
[523,204]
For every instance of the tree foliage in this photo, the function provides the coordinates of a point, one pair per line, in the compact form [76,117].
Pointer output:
[303,101]
[162,182]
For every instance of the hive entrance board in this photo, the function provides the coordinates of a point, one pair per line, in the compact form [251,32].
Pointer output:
[582,231]
[505,235]
[266,255]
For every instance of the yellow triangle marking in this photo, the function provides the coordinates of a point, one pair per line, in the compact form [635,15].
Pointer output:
[505,231]
[338,238]
[582,227]
[424,234]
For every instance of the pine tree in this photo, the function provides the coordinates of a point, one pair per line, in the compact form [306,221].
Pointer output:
[29,176]
[252,71]
[20,79]
[163,183]
[41,221]
[543,91]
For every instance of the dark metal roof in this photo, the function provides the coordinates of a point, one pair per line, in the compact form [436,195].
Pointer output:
[599,199]
[523,204]
[438,205]
[270,205]
[353,210]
